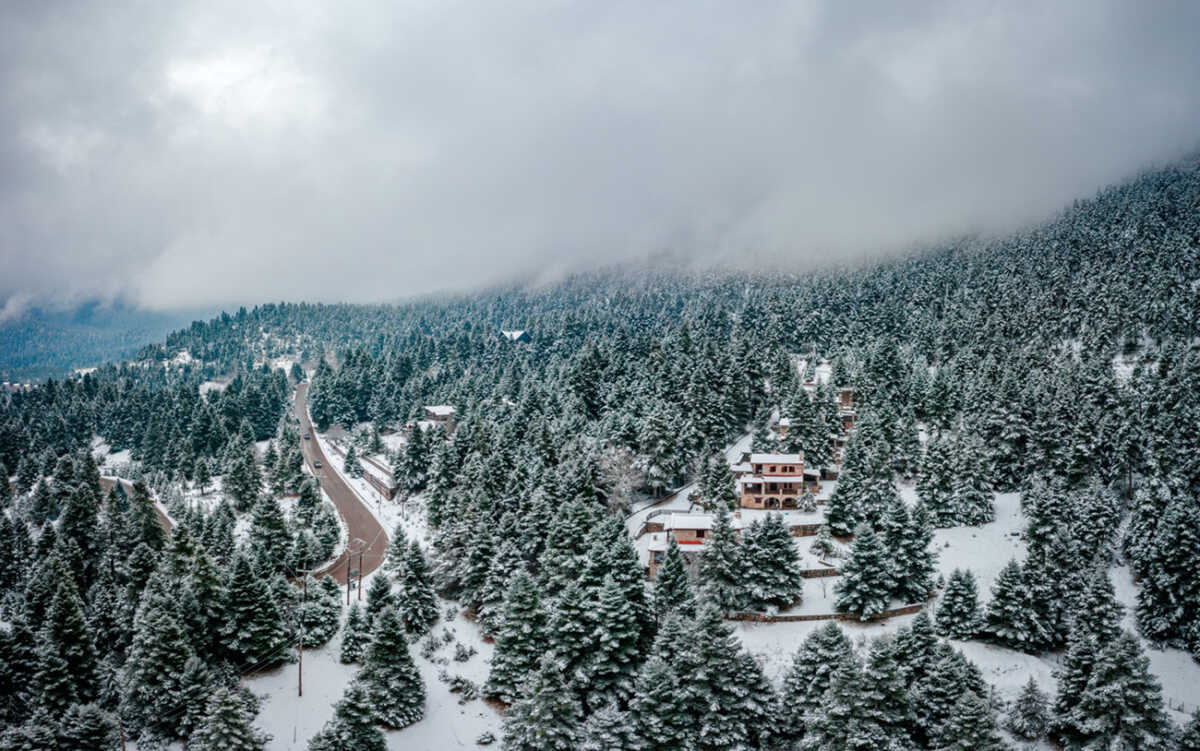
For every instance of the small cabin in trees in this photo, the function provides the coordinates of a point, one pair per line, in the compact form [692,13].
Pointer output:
[515,335]
[695,529]
[441,414]
[775,481]
[845,398]
[692,532]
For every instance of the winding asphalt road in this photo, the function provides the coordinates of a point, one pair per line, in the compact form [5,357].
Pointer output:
[366,533]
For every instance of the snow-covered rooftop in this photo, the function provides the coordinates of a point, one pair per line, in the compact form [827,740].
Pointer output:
[698,521]
[776,458]
[441,410]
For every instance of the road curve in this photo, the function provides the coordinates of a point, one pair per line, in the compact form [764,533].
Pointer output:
[108,483]
[360,522]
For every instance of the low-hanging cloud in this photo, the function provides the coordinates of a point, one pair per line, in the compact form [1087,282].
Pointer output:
[206,153]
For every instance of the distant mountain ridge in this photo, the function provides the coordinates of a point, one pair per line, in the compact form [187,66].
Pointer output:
[41,342]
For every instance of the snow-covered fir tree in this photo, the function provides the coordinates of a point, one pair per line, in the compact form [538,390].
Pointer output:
[416,601]
[721,566]
[227,726]
[520,642]
[356,635]
[389,675]
[770,565]
[547,718]
[352,725]
[810,675]
[866,583]
[1121,706]
[1029,716]
[971,727]
[673,589]
[958,615]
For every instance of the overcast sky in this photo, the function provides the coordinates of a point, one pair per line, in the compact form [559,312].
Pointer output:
[186,154]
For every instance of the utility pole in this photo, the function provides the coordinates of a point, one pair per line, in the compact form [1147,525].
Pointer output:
[360,567]
[121,724]
[349,555]
[300,663]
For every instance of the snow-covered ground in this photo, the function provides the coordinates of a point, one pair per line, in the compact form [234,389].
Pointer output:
[447,724]
[292,720]
[208,386]
[984,550]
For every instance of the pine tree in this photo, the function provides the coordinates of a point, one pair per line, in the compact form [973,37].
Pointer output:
[662,708]
[935,696]
[270,538]
[842,721]
[320,611]
[1122,705]
[352,727]
[1007,619]
[916,648]
[958,614]
[416,601]
[391,678]
[253,632]
[87,727]
[972,493]
[1096,610]
[547,719]
[226,726]
[66,667]
[919,560]
[935,482]
[971,727]
[735,702]
[1029,716]
[507,561]
[716,485]
[822,544]
[79,520]
[608,729]
[519,642]
[811,674]
[195,686]
[351,466]
[884,698]
[6,493]
[379,597]
[1169,598]
[570,631]
[613,665]
[721,564]
[771,573]
[307,503]
[356,636]
[202,475]
[673,592]
[35,735]
[243,481]
[1073,677]
[1189,739]
[866,582]
[152,675]
[142,518]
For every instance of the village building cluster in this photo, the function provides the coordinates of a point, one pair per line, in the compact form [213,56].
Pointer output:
[765,483]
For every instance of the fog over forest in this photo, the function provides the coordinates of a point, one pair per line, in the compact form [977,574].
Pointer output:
[200,154]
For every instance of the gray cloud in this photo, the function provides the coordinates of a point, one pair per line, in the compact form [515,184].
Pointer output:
[200,153]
